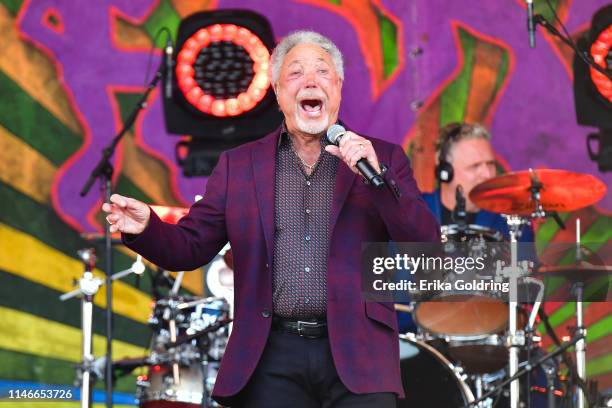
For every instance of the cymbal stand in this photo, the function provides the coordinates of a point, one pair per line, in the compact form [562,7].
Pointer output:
[170,315]
[88,287]
[539,212]
[578,289]
[516,338]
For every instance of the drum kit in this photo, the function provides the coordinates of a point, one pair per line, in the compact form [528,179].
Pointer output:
[464,353]
[479,350]
[189,334]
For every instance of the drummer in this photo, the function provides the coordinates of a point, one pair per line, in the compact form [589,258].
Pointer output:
[465,158]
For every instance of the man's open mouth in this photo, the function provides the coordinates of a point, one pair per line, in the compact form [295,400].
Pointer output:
[312,107]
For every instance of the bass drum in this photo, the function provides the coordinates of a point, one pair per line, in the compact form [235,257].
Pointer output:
[429,379]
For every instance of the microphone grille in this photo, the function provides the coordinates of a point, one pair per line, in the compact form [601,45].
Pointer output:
[334,133]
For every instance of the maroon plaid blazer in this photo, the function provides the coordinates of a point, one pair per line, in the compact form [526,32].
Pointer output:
[239,206]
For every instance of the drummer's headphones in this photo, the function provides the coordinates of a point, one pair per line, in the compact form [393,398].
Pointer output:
[444,169]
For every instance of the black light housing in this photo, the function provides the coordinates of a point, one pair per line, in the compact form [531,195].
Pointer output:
[221,94]
[593,89]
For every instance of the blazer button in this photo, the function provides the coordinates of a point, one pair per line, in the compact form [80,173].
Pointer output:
[266,313]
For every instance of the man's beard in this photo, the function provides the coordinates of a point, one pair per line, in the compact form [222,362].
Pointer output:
[312,128]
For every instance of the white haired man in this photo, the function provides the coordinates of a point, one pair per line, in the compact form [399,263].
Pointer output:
[296,213]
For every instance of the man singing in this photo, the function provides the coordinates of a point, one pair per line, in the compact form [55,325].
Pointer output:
[296,212]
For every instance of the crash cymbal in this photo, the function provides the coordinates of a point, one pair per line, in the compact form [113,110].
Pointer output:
[560,190]
[170,215]
[576,272]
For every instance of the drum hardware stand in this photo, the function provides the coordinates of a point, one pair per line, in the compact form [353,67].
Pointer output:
[530,327]
[578,290]
[170,315]
[516,338]
[88,287]
[539,211]
[104,172]
[526,369]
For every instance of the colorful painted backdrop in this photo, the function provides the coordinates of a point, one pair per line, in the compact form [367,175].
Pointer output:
[70,71]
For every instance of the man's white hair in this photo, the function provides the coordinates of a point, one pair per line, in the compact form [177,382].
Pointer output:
[304,37]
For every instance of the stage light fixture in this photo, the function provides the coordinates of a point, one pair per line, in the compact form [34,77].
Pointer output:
[221,94]
[593,89]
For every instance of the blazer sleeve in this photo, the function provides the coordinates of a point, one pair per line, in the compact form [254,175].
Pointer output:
[197,238]
[401,206]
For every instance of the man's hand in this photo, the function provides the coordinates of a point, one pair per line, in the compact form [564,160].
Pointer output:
[126,214]
[352,148]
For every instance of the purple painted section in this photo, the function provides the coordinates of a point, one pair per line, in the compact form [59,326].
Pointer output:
[534,124]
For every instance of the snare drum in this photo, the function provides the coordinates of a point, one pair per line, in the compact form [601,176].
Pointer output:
[465,314]
[429,379]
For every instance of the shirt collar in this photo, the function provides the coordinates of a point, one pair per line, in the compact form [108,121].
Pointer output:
[284,136]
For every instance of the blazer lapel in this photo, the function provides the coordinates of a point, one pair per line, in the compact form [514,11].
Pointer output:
[263,158]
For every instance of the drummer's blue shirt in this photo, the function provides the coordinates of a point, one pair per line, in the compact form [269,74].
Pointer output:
[483,218]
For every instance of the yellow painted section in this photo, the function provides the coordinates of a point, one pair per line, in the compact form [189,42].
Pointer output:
[27,333]
[33,72]
[25,256]
[24,168]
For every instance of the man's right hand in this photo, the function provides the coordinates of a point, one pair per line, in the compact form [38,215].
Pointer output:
[126,214]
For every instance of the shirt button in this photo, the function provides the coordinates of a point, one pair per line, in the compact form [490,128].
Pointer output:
[307,269]
[308,211]
[266,313]
[306,300]
[308,183]
[307,237]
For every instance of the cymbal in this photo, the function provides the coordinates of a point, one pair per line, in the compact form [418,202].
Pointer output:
[168,214]
[561,190]
[575,272]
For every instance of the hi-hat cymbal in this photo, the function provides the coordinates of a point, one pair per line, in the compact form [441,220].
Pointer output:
[560,190]
[168,214]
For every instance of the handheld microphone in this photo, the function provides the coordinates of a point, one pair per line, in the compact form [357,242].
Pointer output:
[168,67]
[530,23]
[334,134]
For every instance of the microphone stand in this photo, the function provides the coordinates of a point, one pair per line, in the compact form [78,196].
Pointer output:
[104,172]
[539,19]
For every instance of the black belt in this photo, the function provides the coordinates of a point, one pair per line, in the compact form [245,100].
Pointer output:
[308,329]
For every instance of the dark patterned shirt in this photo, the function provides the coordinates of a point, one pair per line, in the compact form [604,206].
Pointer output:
[302,205]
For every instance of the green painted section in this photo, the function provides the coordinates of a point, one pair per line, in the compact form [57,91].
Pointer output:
[26,118]
[42,223]
[12,6]
[600,329]
[126,187]
[453,100]
[504,66]
[388,40]
[163,16]
[599,365]
[540,7]
[27,367]
[44,302]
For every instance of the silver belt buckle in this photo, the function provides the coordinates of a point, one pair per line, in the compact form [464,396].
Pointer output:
[302,324]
